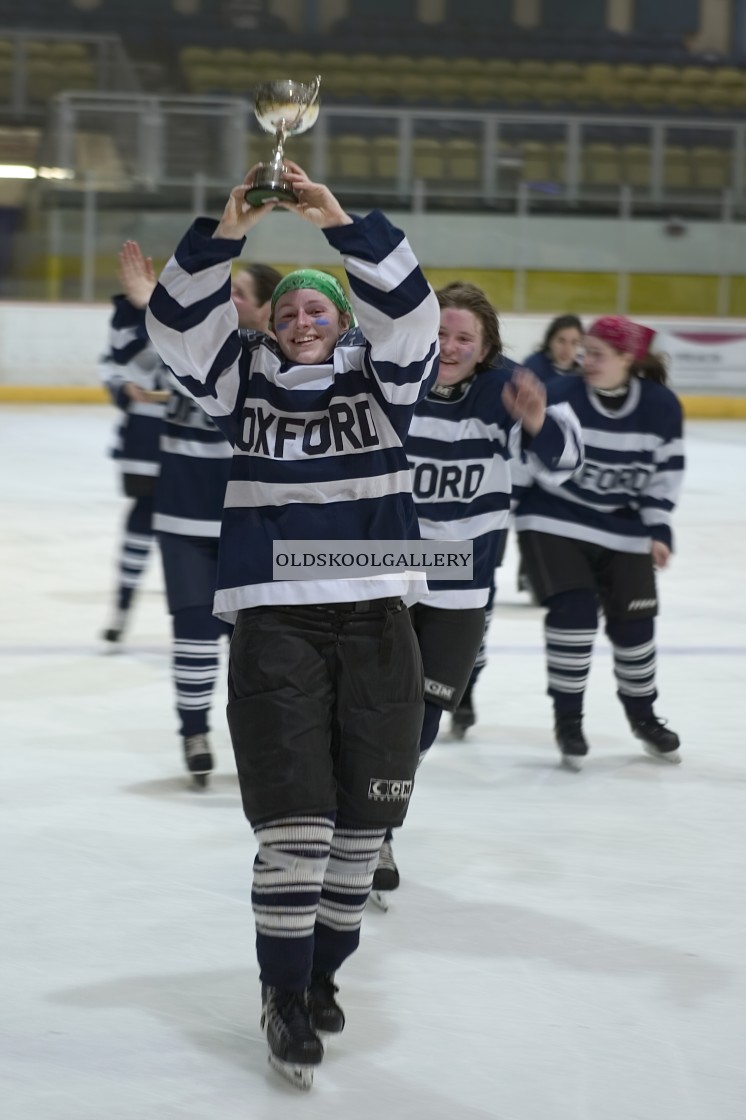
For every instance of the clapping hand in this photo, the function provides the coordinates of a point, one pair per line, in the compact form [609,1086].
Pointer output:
[525,398]
[136,274]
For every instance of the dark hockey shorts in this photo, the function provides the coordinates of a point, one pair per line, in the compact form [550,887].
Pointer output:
[449,643]
[623,581]
[190,570]
[325,709]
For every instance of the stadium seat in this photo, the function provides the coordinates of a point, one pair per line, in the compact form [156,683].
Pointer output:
[205,79]
[77,74]
[663,75]
[414,89]
[677,171]
[711,168]
[635,165]
[566,71]
[728,76]
[630,73]
[694,75]
[537,162]
[385,155]
[481,90]
[428,159]
[197,56]
[447,89]
[600,165]
[533,70]
[350,158]
[463,160]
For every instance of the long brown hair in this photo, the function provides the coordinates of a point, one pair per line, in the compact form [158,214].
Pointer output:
[464,296]
[650,368]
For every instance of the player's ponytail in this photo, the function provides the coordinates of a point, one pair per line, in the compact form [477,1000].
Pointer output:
[651,367]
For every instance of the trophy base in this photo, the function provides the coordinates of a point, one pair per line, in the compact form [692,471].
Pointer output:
[270,188]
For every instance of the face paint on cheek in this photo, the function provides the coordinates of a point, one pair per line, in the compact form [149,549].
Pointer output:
[281,326]
[321,322]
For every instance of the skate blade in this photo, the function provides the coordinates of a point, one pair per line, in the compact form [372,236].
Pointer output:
[299,1076]
[200,781]
[380,900]
[572,762]
[673,758]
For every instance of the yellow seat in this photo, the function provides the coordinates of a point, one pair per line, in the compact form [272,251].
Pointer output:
[415,88]
[344,84]
[549,93]
[648,95]
[635,165]
[238,80]
[43,79]
[715,99]
[581,93]
[350,157]
[380,86]
[481,90]
[514,92]
[614,95]
[500,67]
[69,52]
[428,158]
[711,168]
[398,64]
[196,56]
[677,170]
[446,89]
[728,76]
[681,95]
[328,61]
[600,165]
[536,162]
[598,73]
[432,64]
[77,74]
[295,61]
[566,71]
[385,156]
[632,72]
[262,58]
[533,70]
[663,75]
[230,57]
[695,75]
[463,160]
[205,79]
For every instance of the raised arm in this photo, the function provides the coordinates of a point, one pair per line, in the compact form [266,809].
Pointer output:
[190,318]
[546,442]
[395,306]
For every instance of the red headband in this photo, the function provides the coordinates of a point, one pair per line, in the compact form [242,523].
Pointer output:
[623,335]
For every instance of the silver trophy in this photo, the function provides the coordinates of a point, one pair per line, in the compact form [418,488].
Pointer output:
[286,108]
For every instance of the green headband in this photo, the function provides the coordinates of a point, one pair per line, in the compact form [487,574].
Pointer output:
[322,282]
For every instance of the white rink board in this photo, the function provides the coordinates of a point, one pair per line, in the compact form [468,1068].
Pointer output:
[62,344]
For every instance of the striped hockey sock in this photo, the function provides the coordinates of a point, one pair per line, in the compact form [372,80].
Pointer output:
[195,663]
[569,632]
[347,884]
[289,870]
[633,642]
[134,551]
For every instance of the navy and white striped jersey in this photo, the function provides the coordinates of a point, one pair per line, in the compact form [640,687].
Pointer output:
[460,449]
[131,358]
[318,448]
[625,492]
[541,364]
[195,468]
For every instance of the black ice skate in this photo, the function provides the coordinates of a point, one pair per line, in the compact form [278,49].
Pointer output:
[294,1047]
[659,741]
[464,717]
[326,1015]
[113,634]
[568,731]
[385,877]
[198,758]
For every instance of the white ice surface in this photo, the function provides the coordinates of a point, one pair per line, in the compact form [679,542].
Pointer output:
[563,947]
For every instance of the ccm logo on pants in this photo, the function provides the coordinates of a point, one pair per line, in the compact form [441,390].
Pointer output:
[386,789]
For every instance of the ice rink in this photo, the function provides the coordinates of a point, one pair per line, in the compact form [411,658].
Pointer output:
[563,947]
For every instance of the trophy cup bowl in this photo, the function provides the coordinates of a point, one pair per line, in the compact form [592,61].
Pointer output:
[285,108]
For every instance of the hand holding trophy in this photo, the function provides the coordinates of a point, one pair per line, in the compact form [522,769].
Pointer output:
[285,108]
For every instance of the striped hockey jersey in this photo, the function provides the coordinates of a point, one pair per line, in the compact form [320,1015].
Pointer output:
[460,449]
[318,448]
[624,494]
[130,358]
[189,454]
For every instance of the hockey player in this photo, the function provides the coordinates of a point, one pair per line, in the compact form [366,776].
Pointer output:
[597,539]
[325,679]
[481,411]
[188,502]
[558,354]
[135,379]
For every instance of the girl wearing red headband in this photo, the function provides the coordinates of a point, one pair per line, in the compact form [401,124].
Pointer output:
[595,541]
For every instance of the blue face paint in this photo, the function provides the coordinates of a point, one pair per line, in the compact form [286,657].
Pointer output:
[282,326]
[321,322]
